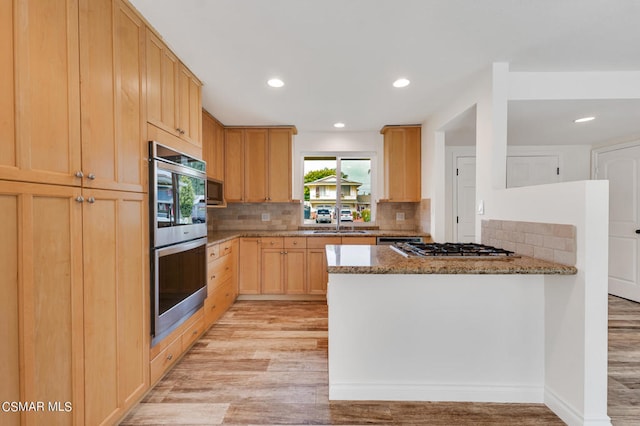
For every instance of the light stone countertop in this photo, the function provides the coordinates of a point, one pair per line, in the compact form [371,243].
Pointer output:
[222,236]
[353,259]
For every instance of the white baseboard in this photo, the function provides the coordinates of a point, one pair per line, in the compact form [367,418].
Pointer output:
[436,392]
[569,414]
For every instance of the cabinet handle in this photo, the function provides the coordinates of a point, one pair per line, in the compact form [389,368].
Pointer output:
[91,176]
[79,174]
[195,332]
[212,254]
[80,199]
[169,357]
[91,200]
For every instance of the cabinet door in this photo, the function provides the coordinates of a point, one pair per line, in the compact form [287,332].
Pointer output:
[272,271]
[162,66]
[402,163]
[41,300]
[213,146]
[249,274]
[39,91]
[234,165]
[279,165]
[295,271]
[189,107]
[112,41]
[317,271]
[255,172]
[116,301]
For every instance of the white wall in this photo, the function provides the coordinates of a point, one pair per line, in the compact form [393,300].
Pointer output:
[576,306]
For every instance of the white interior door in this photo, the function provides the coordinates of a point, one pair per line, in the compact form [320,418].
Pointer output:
[532,170]
[465,224]
[621,167]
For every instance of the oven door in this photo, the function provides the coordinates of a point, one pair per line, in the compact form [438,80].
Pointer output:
[178,204]
[179,285]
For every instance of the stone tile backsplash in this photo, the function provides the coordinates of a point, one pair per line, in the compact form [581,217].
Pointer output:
[287,216]
[282,217]
[546,241]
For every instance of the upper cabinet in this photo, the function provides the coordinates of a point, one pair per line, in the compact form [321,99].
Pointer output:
[39,92]
[258,164]
[402,163]
[114,152]
[213,146]
[174,99]
[54,129]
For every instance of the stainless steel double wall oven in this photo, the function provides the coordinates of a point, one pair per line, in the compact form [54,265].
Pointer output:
[177,195]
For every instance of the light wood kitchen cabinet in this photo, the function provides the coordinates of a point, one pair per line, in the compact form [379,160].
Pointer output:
[233,165]
[40,92]
[112,59]
[402,163]
[258,164]
[283,265]
[317,263]
[174,99]
[359,241]
[255,165]
[249,271]
[41,308]
[83,294]
[213,146]
[279,165]
[116,301]
[222,279]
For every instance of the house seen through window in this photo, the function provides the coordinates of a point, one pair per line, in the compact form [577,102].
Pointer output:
[324,202]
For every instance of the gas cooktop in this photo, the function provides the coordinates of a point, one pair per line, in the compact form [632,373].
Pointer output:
[451,250]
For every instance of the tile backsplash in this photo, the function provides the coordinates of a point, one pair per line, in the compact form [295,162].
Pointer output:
[287,216]
[281,217]
[547,241]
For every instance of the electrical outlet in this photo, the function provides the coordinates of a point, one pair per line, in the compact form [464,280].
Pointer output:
[266,217]
[399,216]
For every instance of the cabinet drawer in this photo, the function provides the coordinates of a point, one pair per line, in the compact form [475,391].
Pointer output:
[213,252]
[219,301]
[226,248]
[272,242]
[192,333]
[295,242]
[218,272]
[165,359]
[320,242]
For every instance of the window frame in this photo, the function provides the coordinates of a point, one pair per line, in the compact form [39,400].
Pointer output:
[339,157]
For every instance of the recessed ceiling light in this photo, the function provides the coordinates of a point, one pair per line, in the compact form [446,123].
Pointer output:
[584,119]
[401,82]
[275,82]
[338,125]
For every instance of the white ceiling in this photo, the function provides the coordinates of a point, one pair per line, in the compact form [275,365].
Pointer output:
[338,58]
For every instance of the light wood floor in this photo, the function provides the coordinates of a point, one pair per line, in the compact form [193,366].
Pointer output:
[265,363]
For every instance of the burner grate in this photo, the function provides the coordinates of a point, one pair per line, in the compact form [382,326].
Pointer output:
[452,250]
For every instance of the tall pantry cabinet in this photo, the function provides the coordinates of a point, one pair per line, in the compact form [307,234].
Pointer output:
[74,210]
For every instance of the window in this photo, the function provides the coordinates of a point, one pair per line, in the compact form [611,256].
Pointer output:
[323,176]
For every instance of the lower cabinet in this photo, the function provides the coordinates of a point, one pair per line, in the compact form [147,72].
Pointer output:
[169,350]
[249,270]
[317,261]
[73,302]
[288,265]
[284,265]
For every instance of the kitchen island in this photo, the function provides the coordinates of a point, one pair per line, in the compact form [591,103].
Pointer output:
[417,329]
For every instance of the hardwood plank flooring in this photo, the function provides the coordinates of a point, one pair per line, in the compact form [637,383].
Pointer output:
[265,363]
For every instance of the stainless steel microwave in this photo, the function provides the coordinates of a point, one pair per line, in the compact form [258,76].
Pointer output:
[215,193]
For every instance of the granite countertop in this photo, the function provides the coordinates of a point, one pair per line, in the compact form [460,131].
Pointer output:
[352,259]
[221,236]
